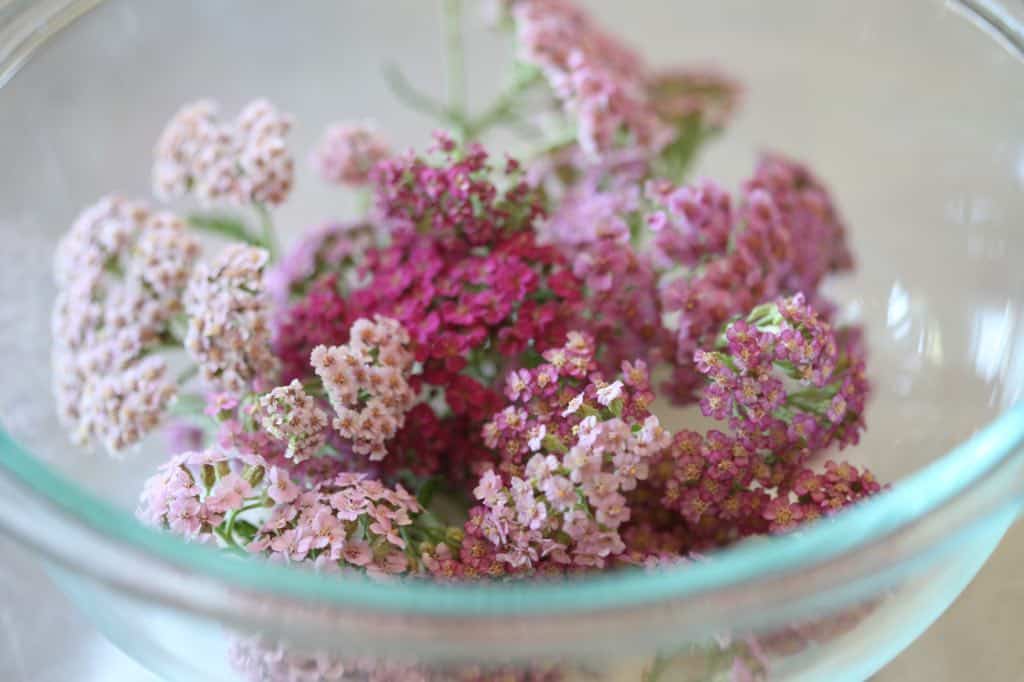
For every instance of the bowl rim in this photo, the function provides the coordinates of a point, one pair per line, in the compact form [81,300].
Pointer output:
[906,502]
[25,26]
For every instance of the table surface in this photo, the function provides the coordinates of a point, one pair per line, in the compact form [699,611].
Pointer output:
[977,639]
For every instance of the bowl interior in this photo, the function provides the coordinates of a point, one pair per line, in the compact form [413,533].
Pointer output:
[908,111]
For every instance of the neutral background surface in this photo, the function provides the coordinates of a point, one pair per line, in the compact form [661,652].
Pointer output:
[43,639]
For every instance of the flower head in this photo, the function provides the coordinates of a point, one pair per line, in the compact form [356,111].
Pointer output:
[291,415]
[367,382]
[229,320]
[348,152]
[242,161]
[120,272]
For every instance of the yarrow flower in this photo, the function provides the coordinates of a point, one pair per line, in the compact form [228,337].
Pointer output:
[774,381]
[330,248]
[601,81]
[729,270]
[348,522]
[229,320]
[199,494]
[348,152]
[751,377]
[120,273]
[680,95]
[236,499]
[620,305]
[464,273]
[244,161]
[587,441]
[367,382]
[260,659]
[291,415]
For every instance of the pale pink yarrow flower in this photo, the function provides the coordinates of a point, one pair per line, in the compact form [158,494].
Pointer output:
[120,271]
[348,152]
[367,383]
[291,415]
[229,320]
[608,394]
[244,161]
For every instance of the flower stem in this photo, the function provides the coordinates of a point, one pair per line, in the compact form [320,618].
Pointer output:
[268,235]
[413,98]
[503,110]
[186,374]
[455,61]
[223,225]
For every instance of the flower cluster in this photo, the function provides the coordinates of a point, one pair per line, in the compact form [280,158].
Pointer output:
[348,522]
[481,333]
[120,408]
[692,223]
[203,495]
[120,273]
[681,94]
[367,382]
[787,390]
[587,441]
[601,81]
[776,342]
[260,659]
[464,273]
[734,260]
[240,501]
[229,320]
[348,152]
[817,234]
[291,415]
[620,306]
[331,248]
[244,161]
[457,201]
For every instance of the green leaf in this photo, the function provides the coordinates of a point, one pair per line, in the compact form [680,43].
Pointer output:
[425,491]
[231,227]
[245,530]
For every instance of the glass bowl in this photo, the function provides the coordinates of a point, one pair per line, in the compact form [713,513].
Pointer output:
[912,112]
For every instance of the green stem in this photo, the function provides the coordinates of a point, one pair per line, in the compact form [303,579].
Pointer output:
[188,405]
[268,235]
[504,109]
[186,374]
[228,532]
[225,226]
[413,98]
[455,60]
[364,202]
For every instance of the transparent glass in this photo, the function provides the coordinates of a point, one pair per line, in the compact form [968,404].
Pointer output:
[912,112]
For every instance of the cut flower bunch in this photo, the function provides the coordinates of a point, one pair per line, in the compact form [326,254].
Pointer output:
[460,383]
